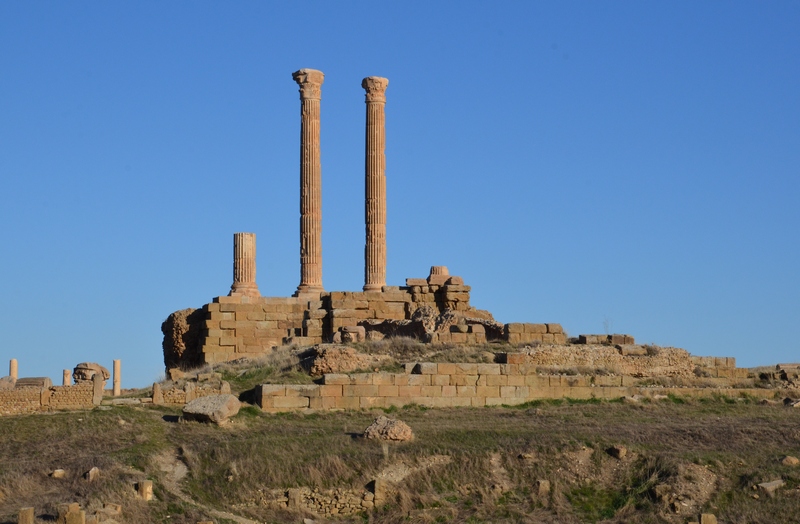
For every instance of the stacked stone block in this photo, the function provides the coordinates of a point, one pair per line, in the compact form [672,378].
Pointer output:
[719,367]
[41,395]
[184,392]
[464,385]
[243,326]
[78,396]
[20,400]
[440,290]
[606,339]
[349,308]
[525,333]
[462,334]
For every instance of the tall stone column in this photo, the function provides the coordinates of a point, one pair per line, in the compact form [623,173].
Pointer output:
[310,82]
[375,171]
[13,369]
[66,377]
[244,265]
[117,377]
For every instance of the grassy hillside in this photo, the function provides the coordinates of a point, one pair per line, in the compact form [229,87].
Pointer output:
[683,457]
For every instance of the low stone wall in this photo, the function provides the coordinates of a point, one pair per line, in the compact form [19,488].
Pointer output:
[182,393]
[525,333]
[328,502]
[662,362]
[452,385]
[718,367]
[77,396]
[20,400]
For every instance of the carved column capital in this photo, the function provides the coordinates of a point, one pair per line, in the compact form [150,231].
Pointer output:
[310,82]
[375,87]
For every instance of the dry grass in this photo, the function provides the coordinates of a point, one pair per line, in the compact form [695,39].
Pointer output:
[741,442]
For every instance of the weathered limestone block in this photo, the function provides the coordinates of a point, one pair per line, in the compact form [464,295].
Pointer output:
[144,490]
[26,516]
[33,382]
[212,408]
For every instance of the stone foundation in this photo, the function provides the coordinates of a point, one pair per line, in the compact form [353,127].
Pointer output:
[436,309]
[476,385]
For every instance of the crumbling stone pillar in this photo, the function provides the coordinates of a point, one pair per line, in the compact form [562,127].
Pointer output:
[144,490]
[66,377]
[26,516]
[310,82]
[117,380]
[375,171]
[13,369]
[244,265]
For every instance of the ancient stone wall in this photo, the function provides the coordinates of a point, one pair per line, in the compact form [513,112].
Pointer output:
[453,385]
[20,400]
[77,396]
[243,326]
[238,326]
[525,333]
[24,399]
[184,392]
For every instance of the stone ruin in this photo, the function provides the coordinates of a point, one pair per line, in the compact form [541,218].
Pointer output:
[435,308]
[34,394]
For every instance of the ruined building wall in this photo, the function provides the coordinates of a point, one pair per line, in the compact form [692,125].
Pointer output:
[21,400]
[238,326]
[477,385]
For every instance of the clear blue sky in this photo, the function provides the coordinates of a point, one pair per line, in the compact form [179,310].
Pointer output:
[621,165]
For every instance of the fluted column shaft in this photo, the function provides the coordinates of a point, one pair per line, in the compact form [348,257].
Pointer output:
[375,184]
[244,265]
[310,82]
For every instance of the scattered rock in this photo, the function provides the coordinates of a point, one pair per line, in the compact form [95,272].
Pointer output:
[618,452]
[771,487]
[788,460]
[686,491]
[92,475]
[58,474]
[212,408]
[708,518]
[385,428]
